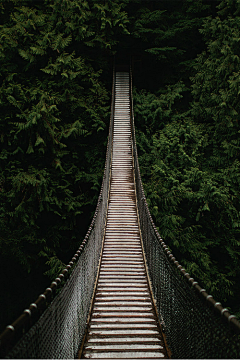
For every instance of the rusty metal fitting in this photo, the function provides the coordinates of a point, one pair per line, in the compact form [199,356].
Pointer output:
[224,310]
[231,317]
[34,305]
[28,311]
[10,327]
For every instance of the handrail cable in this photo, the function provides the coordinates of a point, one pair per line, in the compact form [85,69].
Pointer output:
[196,326]
[123,322]
[157,252]
[22,327]
[103,239]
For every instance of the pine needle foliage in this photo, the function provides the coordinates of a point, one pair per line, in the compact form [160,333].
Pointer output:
[188,139]
[55,107]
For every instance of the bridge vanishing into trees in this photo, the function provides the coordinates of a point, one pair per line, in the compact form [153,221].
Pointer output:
[123,294]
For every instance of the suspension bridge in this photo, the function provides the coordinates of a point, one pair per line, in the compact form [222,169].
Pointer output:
[123,295]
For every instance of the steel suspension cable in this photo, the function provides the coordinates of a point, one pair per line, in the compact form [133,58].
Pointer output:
[56,330]
[195,324]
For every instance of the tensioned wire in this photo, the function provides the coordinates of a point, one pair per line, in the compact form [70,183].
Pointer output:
[192,327]
[195,325]
[59,331]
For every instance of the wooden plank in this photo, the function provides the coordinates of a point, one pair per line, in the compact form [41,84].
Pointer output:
[123,323]
[126,355]
[125,347]
[121,298]
[127,315]
[126,325]
[129,332]
[122,320]
[128,340]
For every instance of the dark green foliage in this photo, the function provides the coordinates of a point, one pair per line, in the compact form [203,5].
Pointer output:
[189,157]
[169,36]
[55,83]
[53,125]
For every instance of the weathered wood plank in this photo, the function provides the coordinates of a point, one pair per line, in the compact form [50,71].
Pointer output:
[123,323]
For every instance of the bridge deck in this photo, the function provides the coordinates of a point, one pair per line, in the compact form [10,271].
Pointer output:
[123,321]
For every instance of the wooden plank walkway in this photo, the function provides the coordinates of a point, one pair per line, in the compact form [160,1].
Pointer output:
[123,322]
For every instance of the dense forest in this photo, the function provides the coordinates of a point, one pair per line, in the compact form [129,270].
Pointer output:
[56,61]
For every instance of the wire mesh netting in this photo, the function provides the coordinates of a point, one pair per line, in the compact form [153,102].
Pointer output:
[192,329]
[59,331]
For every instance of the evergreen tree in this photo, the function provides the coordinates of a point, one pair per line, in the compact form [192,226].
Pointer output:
[189,157]
[55,106]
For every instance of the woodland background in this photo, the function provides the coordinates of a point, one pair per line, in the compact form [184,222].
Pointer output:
[55,86]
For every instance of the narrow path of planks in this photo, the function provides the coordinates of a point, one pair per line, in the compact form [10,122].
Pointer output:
[123,323]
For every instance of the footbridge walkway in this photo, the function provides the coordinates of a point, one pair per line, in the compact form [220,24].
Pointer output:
[123,294]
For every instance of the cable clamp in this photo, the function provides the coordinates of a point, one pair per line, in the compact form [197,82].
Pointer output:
[34,305]
[10,327]
[27,311]
[223,311]
[231,317]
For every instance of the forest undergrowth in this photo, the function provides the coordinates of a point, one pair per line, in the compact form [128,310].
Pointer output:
[55,90]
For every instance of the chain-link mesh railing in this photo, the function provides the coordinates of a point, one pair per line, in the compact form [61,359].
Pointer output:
[195,325]
[59,331]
